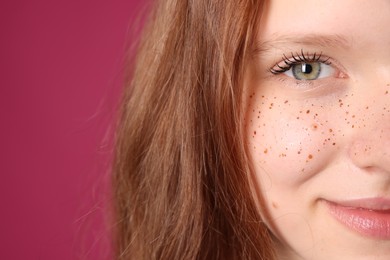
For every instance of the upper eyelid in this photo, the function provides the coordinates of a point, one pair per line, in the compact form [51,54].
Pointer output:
[296,58]
[302,57]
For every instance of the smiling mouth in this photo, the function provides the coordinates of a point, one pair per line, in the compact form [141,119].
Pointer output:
[369,217]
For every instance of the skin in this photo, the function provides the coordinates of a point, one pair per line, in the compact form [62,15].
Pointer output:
[325,139]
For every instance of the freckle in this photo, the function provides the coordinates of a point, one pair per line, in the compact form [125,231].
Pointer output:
[308,111]
[366,107]
[330,130]
[297,117]
[254,132]
[266,151]
[353,116]
[353,126]
[262,96]
[258,116]
[387,92]
[314,126]
[299,152]
[341,104]
[334,143]
[285,102]
[300,112]
[310,157]
[303,169]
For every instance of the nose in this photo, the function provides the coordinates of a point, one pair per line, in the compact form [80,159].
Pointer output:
[371,152]
[370,144]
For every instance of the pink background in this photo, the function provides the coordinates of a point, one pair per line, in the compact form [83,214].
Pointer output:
[61,73]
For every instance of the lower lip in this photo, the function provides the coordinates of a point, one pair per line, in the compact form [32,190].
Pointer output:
[372,223]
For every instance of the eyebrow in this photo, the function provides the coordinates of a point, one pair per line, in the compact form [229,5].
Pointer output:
[315,40]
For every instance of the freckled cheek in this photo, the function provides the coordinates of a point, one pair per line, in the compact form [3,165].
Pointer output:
[290,143]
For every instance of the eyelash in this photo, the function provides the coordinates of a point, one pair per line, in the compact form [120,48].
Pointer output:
[298,58]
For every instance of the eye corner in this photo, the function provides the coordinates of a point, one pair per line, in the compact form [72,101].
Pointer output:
[341,75]
[279,69]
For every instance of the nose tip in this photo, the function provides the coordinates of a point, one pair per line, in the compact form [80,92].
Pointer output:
[371,152]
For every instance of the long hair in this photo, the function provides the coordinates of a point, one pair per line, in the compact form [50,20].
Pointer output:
[182,181]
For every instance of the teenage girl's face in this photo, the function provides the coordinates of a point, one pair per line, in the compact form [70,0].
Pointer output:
[318,126]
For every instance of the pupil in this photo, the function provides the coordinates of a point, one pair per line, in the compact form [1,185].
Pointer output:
[307,68]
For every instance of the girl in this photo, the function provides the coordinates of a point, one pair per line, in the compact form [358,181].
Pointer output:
[257,130]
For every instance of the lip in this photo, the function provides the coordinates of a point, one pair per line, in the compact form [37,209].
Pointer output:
[369,217]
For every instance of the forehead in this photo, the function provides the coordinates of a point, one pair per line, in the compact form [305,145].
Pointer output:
[359,20]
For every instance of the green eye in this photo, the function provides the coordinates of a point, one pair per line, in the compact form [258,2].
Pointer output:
[304,66]
[306,71]
[309,70]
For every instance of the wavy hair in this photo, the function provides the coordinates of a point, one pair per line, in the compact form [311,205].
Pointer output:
[182,178]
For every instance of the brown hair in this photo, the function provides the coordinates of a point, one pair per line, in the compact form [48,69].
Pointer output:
[182,181]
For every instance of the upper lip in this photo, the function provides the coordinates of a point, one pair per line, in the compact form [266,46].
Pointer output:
[377,203]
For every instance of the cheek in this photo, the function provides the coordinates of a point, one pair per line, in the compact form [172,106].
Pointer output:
[290,141]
